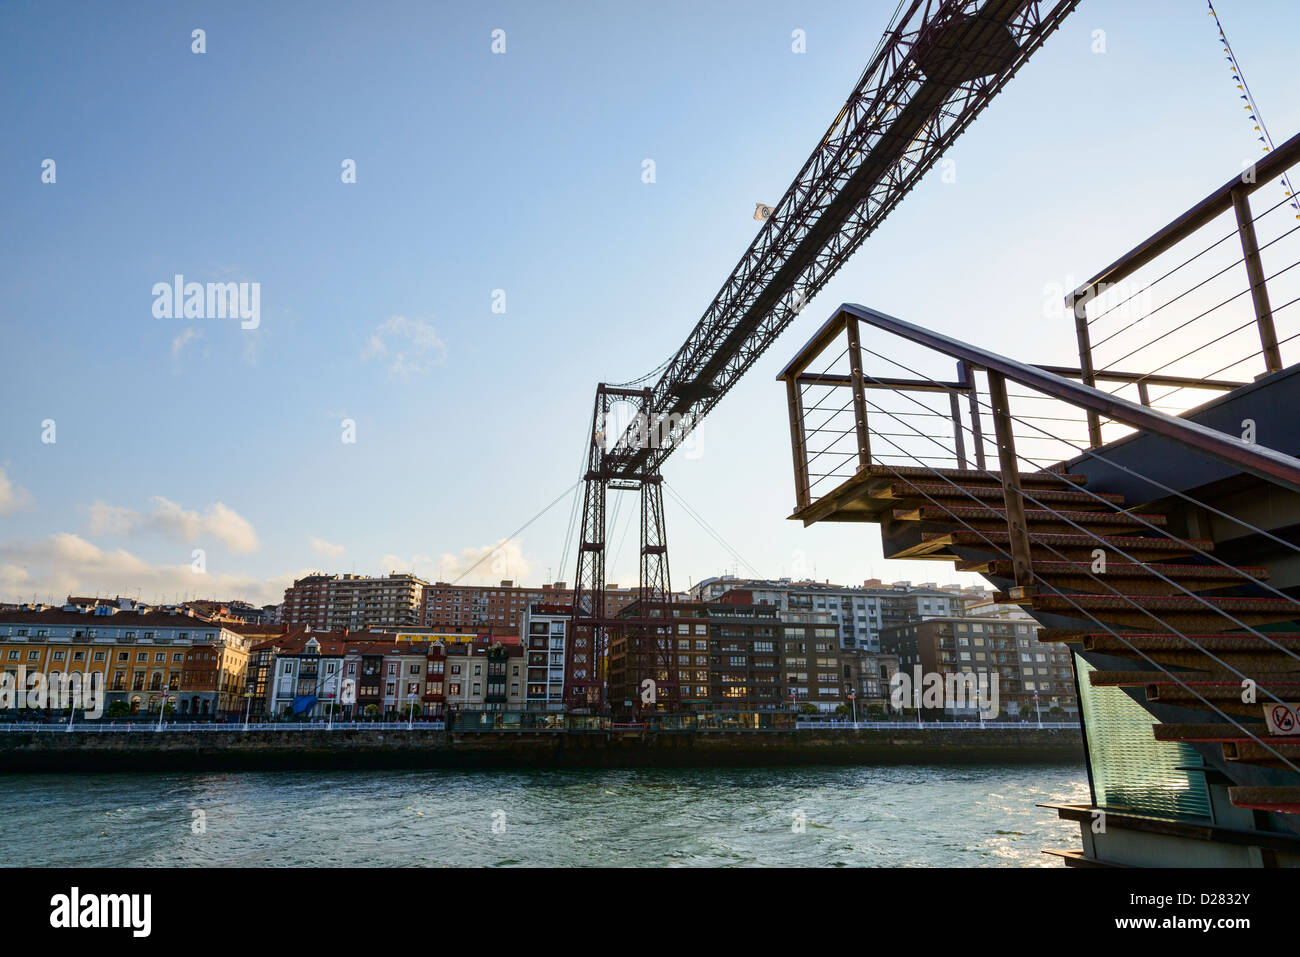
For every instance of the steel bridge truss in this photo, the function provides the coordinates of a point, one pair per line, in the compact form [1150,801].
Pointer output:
[935,71]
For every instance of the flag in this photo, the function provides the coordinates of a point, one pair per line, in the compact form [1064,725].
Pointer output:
[762,212]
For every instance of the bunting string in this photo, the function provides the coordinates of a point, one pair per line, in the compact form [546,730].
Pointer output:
[1261,130]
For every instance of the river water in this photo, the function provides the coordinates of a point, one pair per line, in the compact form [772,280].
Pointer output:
[822,816]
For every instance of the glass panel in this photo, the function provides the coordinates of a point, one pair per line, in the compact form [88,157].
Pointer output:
[1131,771]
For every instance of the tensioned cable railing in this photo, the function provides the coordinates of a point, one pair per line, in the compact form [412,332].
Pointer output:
[1163,489]
[1088,492]
[1178,312]
[1278,468]
[1112,547]
[1085,614]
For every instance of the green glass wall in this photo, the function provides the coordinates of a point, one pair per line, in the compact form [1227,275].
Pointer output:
[1131,771]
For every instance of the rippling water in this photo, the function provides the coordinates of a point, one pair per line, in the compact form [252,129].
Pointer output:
[877,816]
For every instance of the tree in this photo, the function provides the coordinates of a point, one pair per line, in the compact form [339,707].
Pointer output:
[875,710]
[807,708]
[371,711]
[118,709]
[1026,711]
[842,710]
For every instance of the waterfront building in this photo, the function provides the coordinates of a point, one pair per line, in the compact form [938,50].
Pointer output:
[858,612]
[721,656]
[483,677]
[139,655]
[542,632]
[1033,677]
[354,602]
[212,679]
[298,672]
[811,666]
[502,607]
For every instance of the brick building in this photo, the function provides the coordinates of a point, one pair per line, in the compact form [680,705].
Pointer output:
[355,602]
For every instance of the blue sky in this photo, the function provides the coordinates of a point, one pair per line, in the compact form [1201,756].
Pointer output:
[519,172]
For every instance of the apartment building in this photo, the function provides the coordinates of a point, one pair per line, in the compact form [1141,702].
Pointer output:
[502,607]
[483,677]
[365,675]
[815,667]
[143,657]
[723,656]
[473,606]
[355,602]
[859,613]
[1032,676]
[542,634]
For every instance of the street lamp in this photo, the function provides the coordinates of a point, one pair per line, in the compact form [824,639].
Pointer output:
[1039,711]
[410,710]
[162,707]
[248,707]
[853,702]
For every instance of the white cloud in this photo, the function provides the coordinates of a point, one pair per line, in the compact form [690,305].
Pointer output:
[327,549]
[172,521]
[185,338]
[12,497]
[408,346]
[67,564]
[490,564]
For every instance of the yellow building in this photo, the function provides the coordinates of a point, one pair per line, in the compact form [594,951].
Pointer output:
[139,656]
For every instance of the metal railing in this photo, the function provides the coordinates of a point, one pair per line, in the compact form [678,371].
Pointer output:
[936,726]
[1186,312]
[1256,459]
[268,726]
[1274,467]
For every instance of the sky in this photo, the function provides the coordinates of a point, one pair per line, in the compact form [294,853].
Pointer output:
[383,415]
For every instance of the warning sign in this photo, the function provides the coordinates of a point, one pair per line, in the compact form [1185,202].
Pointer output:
[1282,718]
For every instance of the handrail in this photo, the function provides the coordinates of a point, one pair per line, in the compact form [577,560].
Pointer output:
[1258,460]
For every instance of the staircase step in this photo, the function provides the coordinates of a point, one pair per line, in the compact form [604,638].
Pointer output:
[1140,679]
[1139,578]
[1211,733]
[1279,800]
[1245,653]
[923,491]
[1276,752]
[1039,479]
[1264,750]
[1072,546]
[1236,640]
[1178,612]
[1168,691]
[1038,519]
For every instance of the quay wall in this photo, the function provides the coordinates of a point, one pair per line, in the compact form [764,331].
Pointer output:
[272,749]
